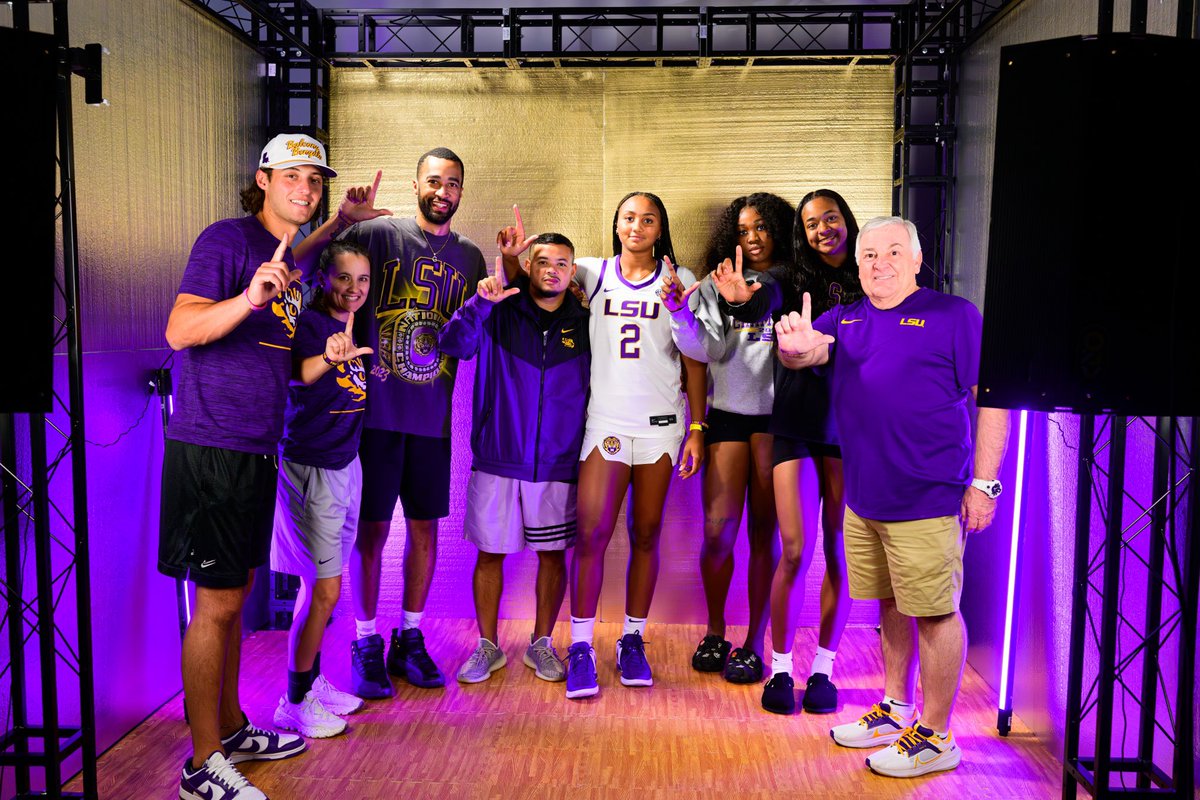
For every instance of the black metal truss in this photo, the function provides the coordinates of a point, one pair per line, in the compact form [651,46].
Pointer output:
[1157,556]
[580,37]
[57,532]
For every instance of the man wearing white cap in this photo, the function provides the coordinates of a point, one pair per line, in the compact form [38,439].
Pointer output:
[232,323]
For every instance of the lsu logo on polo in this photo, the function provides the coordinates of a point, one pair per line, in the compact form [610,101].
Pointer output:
[912,322]
[612,445]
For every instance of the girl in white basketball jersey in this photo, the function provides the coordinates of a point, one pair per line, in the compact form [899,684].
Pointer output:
[636,423]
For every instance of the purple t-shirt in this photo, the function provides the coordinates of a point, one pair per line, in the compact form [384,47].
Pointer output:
[418,281]
[230,393]
[323,421]
[900,381]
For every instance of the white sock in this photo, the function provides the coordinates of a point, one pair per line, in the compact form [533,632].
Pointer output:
[582,629]
[823,662]
[634,625]
[906,710]
[364,627]
[781,662]
[411,619]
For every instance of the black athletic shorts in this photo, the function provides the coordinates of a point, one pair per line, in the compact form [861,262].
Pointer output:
[726,426]
[788,449]
[217,514]
[414,469]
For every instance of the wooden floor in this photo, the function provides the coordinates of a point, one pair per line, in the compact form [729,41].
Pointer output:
[689,736]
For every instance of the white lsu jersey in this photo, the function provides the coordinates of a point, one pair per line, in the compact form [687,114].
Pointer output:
[636,388]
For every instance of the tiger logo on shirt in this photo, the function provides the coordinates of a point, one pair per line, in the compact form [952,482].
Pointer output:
[286,306]
[353,378]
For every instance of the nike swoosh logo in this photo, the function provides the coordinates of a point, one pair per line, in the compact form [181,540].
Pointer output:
[850,321]
[207,564]
[608,289]
[568,330]
[326,560]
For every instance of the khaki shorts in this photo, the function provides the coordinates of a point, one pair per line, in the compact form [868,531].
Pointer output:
[918,562]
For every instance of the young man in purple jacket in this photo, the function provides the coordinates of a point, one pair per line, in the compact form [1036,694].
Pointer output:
[528,411]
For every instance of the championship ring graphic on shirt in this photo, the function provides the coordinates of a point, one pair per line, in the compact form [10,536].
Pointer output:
[408,345]
[612,445]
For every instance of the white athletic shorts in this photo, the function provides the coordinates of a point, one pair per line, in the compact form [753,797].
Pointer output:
[316,517]
[631,450]
[506,515]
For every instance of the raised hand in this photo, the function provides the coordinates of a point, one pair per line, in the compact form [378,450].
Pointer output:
[339,347]
[730,281]
[271,277]
[795,333]
[672,293]
[512,239]
[359,203]
[492,287]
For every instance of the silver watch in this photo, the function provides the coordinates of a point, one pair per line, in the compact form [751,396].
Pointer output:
[991,488]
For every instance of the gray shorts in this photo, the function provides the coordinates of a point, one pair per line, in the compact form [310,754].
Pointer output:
[506,515]
[316,516]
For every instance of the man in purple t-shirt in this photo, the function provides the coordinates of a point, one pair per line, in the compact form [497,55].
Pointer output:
[903,363]
[232,323]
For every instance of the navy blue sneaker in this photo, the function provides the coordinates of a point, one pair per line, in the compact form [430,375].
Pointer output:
[251,743]
[581,671]
[216,779]
[368,678]
[407,658]
[631,661]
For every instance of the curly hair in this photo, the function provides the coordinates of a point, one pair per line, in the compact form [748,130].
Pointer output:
[663,246]
[811,274]
[777,214]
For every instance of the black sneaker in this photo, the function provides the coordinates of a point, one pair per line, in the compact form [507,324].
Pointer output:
[368,679]
[407,658]
[820,695]
[710,654]
[779,695]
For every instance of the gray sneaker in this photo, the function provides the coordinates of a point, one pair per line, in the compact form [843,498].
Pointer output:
[486,659]
[541,657]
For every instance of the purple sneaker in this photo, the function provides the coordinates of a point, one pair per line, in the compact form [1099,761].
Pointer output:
[251,743]
[631,661]
[581,671]
[217,779]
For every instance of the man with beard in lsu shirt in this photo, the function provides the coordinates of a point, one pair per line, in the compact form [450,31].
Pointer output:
[232,323]
[421,274]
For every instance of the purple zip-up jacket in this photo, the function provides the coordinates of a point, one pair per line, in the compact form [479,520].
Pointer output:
[531,388]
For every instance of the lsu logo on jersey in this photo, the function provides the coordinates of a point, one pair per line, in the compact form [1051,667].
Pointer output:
[912,322]
[612,445]
[286,306]
[353,378]
[640,309]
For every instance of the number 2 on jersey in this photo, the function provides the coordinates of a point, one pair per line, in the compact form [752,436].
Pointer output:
[630,336]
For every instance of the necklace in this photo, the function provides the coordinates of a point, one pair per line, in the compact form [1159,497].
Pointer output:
[437,252]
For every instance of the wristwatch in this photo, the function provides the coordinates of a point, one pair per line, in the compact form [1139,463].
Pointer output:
[991,488]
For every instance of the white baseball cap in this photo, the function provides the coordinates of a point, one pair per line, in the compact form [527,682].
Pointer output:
[294,150]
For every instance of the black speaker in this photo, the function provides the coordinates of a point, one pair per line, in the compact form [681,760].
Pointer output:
[1093,274]
[28,207]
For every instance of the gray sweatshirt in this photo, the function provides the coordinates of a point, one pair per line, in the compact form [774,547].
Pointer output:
[740,355]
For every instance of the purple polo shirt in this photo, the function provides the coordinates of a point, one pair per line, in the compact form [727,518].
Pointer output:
[230,393]
[900,381]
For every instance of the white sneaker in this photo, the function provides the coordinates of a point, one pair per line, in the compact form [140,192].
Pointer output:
[335,700]
[308,718]
[486,659]
[217,779]
[917,752]
[881,725]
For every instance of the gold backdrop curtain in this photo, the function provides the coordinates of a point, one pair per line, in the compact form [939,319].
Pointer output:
[566,145]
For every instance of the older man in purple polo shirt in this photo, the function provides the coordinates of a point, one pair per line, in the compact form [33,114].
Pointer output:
[903,364]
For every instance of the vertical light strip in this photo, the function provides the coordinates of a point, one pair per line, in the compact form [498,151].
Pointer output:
[1012,563]
[187,603]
